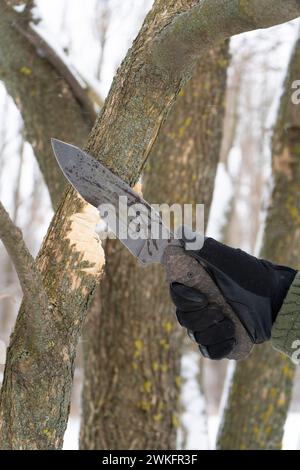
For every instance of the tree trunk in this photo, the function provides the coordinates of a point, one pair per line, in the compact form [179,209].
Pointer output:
[46,102]
[132,343]
[262,385]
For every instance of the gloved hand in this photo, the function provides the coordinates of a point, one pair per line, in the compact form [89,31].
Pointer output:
[254,288]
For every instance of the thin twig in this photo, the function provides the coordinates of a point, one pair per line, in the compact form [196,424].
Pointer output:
[29,277]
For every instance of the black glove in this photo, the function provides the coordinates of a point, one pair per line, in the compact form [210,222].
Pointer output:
[254,288]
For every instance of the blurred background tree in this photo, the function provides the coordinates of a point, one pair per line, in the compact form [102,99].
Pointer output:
[262,385]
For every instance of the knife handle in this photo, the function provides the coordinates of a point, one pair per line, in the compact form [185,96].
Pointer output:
[183,268]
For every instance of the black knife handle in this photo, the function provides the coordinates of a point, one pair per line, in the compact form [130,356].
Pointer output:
[183,268]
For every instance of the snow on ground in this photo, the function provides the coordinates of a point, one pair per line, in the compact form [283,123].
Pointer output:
[71,437]
[221,199]
[194,419]
[291,438]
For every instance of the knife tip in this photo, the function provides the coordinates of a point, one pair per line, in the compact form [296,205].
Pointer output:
[55,141]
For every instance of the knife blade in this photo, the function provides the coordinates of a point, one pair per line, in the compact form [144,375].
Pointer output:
[100,187]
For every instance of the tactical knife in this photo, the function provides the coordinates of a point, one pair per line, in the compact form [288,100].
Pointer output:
[99,186]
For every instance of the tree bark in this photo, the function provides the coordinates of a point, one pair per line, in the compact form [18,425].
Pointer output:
[262,385]
[132,342]
[35,395]
[29,277]
[48,108]
[44,98]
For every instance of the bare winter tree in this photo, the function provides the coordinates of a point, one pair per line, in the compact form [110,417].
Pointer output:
[103,14]
[70,262]
[262,385]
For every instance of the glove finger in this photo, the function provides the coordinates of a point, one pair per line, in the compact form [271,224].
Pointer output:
[186,298]
[216,333]
[220,350]
[199,320]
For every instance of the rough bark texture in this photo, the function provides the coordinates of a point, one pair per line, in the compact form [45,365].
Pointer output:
[71,258]
[262,385]
[132,343]
[26,419]
[29,277]
[48,106]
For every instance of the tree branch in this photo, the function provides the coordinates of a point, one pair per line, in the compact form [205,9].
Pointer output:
[162,59]
[28,274]
[47,102]
[24,21]
[208,22]
[44,50]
